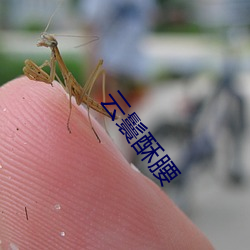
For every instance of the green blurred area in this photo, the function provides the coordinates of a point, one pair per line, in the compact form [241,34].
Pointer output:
[10,68]
[12,65]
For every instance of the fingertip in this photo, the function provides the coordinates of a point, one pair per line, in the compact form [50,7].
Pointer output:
[42,164]
[78,193]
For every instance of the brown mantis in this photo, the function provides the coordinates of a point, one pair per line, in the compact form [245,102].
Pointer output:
[71,86]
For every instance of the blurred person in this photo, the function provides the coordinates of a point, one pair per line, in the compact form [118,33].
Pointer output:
[121,26]
[224,110]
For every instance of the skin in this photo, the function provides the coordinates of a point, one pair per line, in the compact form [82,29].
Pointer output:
[78,193]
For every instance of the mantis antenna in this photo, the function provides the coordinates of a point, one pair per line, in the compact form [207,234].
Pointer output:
[53,14]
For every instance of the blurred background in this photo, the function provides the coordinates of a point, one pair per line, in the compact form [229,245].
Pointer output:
[184,66]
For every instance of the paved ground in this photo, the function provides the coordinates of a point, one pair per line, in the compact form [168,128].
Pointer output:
[222,211]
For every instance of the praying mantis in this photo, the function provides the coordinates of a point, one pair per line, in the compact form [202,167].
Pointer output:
[71,86]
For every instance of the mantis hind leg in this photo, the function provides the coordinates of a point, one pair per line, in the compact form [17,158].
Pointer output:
[68,83]
[104,98]
[86,90]
[92,127]
[70,88]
